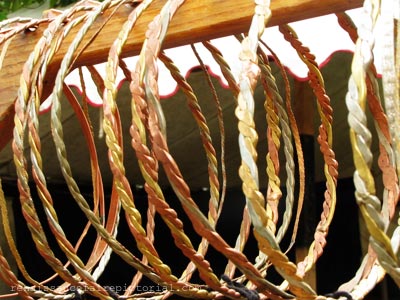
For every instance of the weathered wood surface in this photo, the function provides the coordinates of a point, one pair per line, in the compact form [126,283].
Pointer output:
[195,21]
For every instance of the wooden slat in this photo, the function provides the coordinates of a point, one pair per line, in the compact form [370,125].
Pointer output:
[195,21]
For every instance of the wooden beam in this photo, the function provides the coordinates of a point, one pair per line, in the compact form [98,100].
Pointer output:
[195,21]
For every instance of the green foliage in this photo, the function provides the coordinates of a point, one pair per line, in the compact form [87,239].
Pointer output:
[8,6]
[61,3]
[3,15]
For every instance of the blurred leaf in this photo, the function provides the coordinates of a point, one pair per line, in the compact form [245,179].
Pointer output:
[3,15]
[9,6]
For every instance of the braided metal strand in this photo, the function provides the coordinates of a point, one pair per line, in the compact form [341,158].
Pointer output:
[246,222]
[117,247]
[111,127]
[247,134]
[5,24]
[151,208]
[114,143]
[151,178]
[261,218]
[225,68]
[366,277]
[297,142]
[6,274]
[273,159]
[205,135]
[274,134]
[214,208]
[387,165]
[61,153]
[45,196]
[20,120]
[101,251]
[325,141]
[9,33]
[360,138]
[110,84]
[200,223]
[12,244]
[149,169]
[387,159]
[390,82]
[397,47]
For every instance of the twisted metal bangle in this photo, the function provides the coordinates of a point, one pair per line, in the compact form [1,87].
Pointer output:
[325,141]
[110,106]
[45,196]
[286,125]
[215,204]
[137,92]
[201,225]
[261,218]
[21,119]
[366,277]
[360,138]
[149,168]
[245,224]
[57,135]
[297,142]
[390,82]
